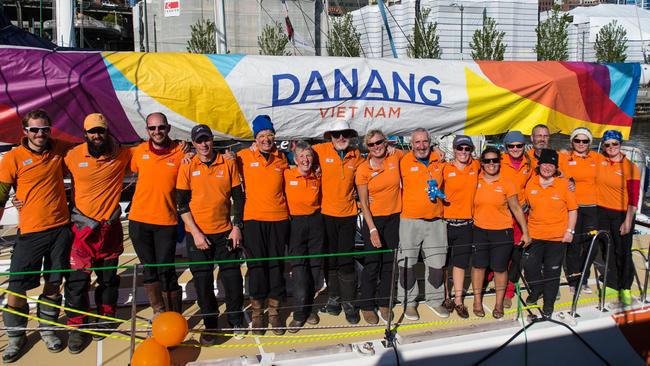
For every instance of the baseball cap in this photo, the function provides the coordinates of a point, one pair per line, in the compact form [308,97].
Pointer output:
[199,131]
[463,140]
[95,120]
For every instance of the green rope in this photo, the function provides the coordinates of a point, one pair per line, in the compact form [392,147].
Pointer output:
[223,261]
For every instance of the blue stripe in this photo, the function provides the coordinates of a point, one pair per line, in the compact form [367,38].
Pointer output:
[225,63]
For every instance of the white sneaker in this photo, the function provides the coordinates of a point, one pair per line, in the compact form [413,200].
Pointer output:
[587,289]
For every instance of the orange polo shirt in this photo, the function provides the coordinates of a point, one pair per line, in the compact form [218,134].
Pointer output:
[583,170]
[415,199]
[338,180]
[264,185]
[97,183]
[612,178]
[154,201]
[211,188]
[303,193]
[491,210]
[384,185]
[518,176]
[459,186]
[548,218]
[38,181]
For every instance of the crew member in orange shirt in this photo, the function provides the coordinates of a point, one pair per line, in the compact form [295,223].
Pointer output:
[618,197]
[204,189]
[516,166]
[580,165]
[302,189]
[266,223]
[421,228]
[459,182]
[551,223]
[380,196]
[35,169]
[97,168]
[495,199]
[338,162]
[152,218]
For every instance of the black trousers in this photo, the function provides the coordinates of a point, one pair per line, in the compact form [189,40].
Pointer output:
[77,286]
[549,255]
[340,273]
[576,253]
[620,274]
[264,239]
[378,266]
[155,244]
[229,274]
[306,238]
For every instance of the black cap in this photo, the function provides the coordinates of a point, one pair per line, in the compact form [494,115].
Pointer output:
[199,131]
[463,140]
[548,156]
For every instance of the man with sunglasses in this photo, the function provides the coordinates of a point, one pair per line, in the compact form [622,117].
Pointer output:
[338,161]
[35,170]
[205,187]
[153,219]
[97,168]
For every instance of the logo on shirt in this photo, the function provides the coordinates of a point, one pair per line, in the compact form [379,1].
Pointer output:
[573,162]
[27,162]
[255,164]
[533,191]
[350,166]
[329,160]
[145,156]
[498,189]
[391,166]
[293,182]
[555,197]
[452,174]
[83,164]
[414,169]
[171,162]
[196,173]
[619,172]
[220,173]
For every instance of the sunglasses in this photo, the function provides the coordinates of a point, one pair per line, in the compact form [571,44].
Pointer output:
[515,146]
[463,148]
[610,144]
[337,134]
[580,141]
[376,143]
[159,128]
[97,130]
[490,161]
[36,130]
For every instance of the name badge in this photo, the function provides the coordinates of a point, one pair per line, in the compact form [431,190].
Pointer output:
[83,164]
[329,160]
[555,198]
[27,162]
[374,174]
[170,163]
[145,156]
[196,173]
[573,162]
[293,182]
[534,191]
[414,169]
[452,174]
[255,164]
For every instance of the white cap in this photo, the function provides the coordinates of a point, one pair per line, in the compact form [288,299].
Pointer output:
[339,126]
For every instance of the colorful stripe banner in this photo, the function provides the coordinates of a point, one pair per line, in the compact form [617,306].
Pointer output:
[305,95]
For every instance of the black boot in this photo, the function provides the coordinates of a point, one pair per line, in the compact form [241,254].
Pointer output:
[17,338]
[173,300]
[333,306]
[51,313]
[351,313]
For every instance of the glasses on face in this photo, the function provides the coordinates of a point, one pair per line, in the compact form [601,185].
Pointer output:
[580,141]
[97,130]
[463,148]
[338,134]
[36,130]
[159,128]
[265,136]
[203,139]
[610,144]
[490,161]
[515,146]
[376,143]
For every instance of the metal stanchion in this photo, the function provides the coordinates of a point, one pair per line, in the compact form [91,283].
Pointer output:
[601,302]
[134,288]
[576,295]
[390,336]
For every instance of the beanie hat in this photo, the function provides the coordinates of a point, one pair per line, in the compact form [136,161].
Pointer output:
[582,131]
[261,123]
[513,136]
[548,156]
[612,135]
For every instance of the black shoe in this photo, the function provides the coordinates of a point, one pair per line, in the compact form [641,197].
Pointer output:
[77,342]
[14,349]
[333,307]
[351,313]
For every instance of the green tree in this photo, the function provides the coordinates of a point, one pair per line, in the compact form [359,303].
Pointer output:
[202,38]
[273,41]
[487,42]
[553,37]
[425,42]
[611,43]
[343,38]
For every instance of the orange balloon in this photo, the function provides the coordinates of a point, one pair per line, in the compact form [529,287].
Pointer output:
[151,353]
[169,328]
